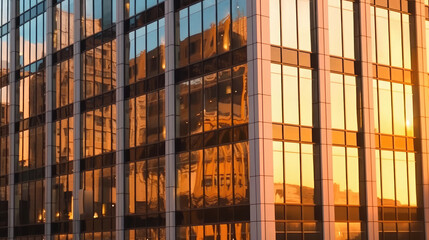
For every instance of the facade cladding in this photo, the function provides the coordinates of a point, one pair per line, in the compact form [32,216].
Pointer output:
[214,119]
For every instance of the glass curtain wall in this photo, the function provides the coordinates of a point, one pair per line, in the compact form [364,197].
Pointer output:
[212,150]
[296,194]
[394,126]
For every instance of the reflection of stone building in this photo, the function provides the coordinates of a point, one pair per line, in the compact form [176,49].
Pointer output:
[213,40]
[4,110]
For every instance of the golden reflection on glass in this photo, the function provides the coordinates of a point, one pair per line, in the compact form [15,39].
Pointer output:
[289,27]
[307,169]
[348,29]
[292,172]
[275,22]
[210,102]
[196,108]
[353,176]
[210,177]
[401,176]
[304,24]
[278,172]
[335,30]
[412,179]
[240,101]
[341,232]
[290,95]
[141,196]
[209,28]
[276,93]
[225,175]
[196,172]
[131,187]
[395,38]
[182,181]
[241,173]
[378,176]
[406,40]
[375,99]
[306,96]
[387,178]
[239,23]
[398,108]
[427,44]
[152,185]
[350,102]
[225,99]
[337,101]
[409,110]
[339,175]
[382,33]
[224,26]
[355,230]
[385,100]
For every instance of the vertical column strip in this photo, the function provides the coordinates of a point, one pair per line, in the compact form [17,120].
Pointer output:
[367,110]
[13,139]
[49,127]
[421,107]
[170,159]
[120,122]
[262,217]
[76,119]
[323,106]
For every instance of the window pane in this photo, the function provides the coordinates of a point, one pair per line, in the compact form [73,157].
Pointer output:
[335,30]
[383,53]
[290,95]
[395,38]
[278,172]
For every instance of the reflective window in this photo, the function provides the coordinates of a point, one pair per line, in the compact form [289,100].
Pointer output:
[209,28]
[343,102]
[31,95]
[98,199]
[394,28]
[396,175]
[98,131]
[291,89]
[341,28]
[98,70]
[217,176]
[134,7]
[286,17]
[97,15]
[31,208]
[63,24]
[212,102]
[146,116]
[64,83]
[345,162]
[393,108]
[32,40]
[145,184]
[145,55]
[32,149]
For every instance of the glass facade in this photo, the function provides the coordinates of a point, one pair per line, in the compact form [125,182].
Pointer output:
[188,119]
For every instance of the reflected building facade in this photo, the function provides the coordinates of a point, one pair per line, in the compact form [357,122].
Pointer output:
[214,119]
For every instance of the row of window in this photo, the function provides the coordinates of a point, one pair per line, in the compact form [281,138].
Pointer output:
[98,15]
[145,51]
[217,100]
[209,28]
[134,7]
[63,24]
[64,76]
[146,116]
[99,131]
[212,177]
[32,40]
[99,70]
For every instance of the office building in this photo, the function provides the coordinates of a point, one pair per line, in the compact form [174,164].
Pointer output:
[214,119]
